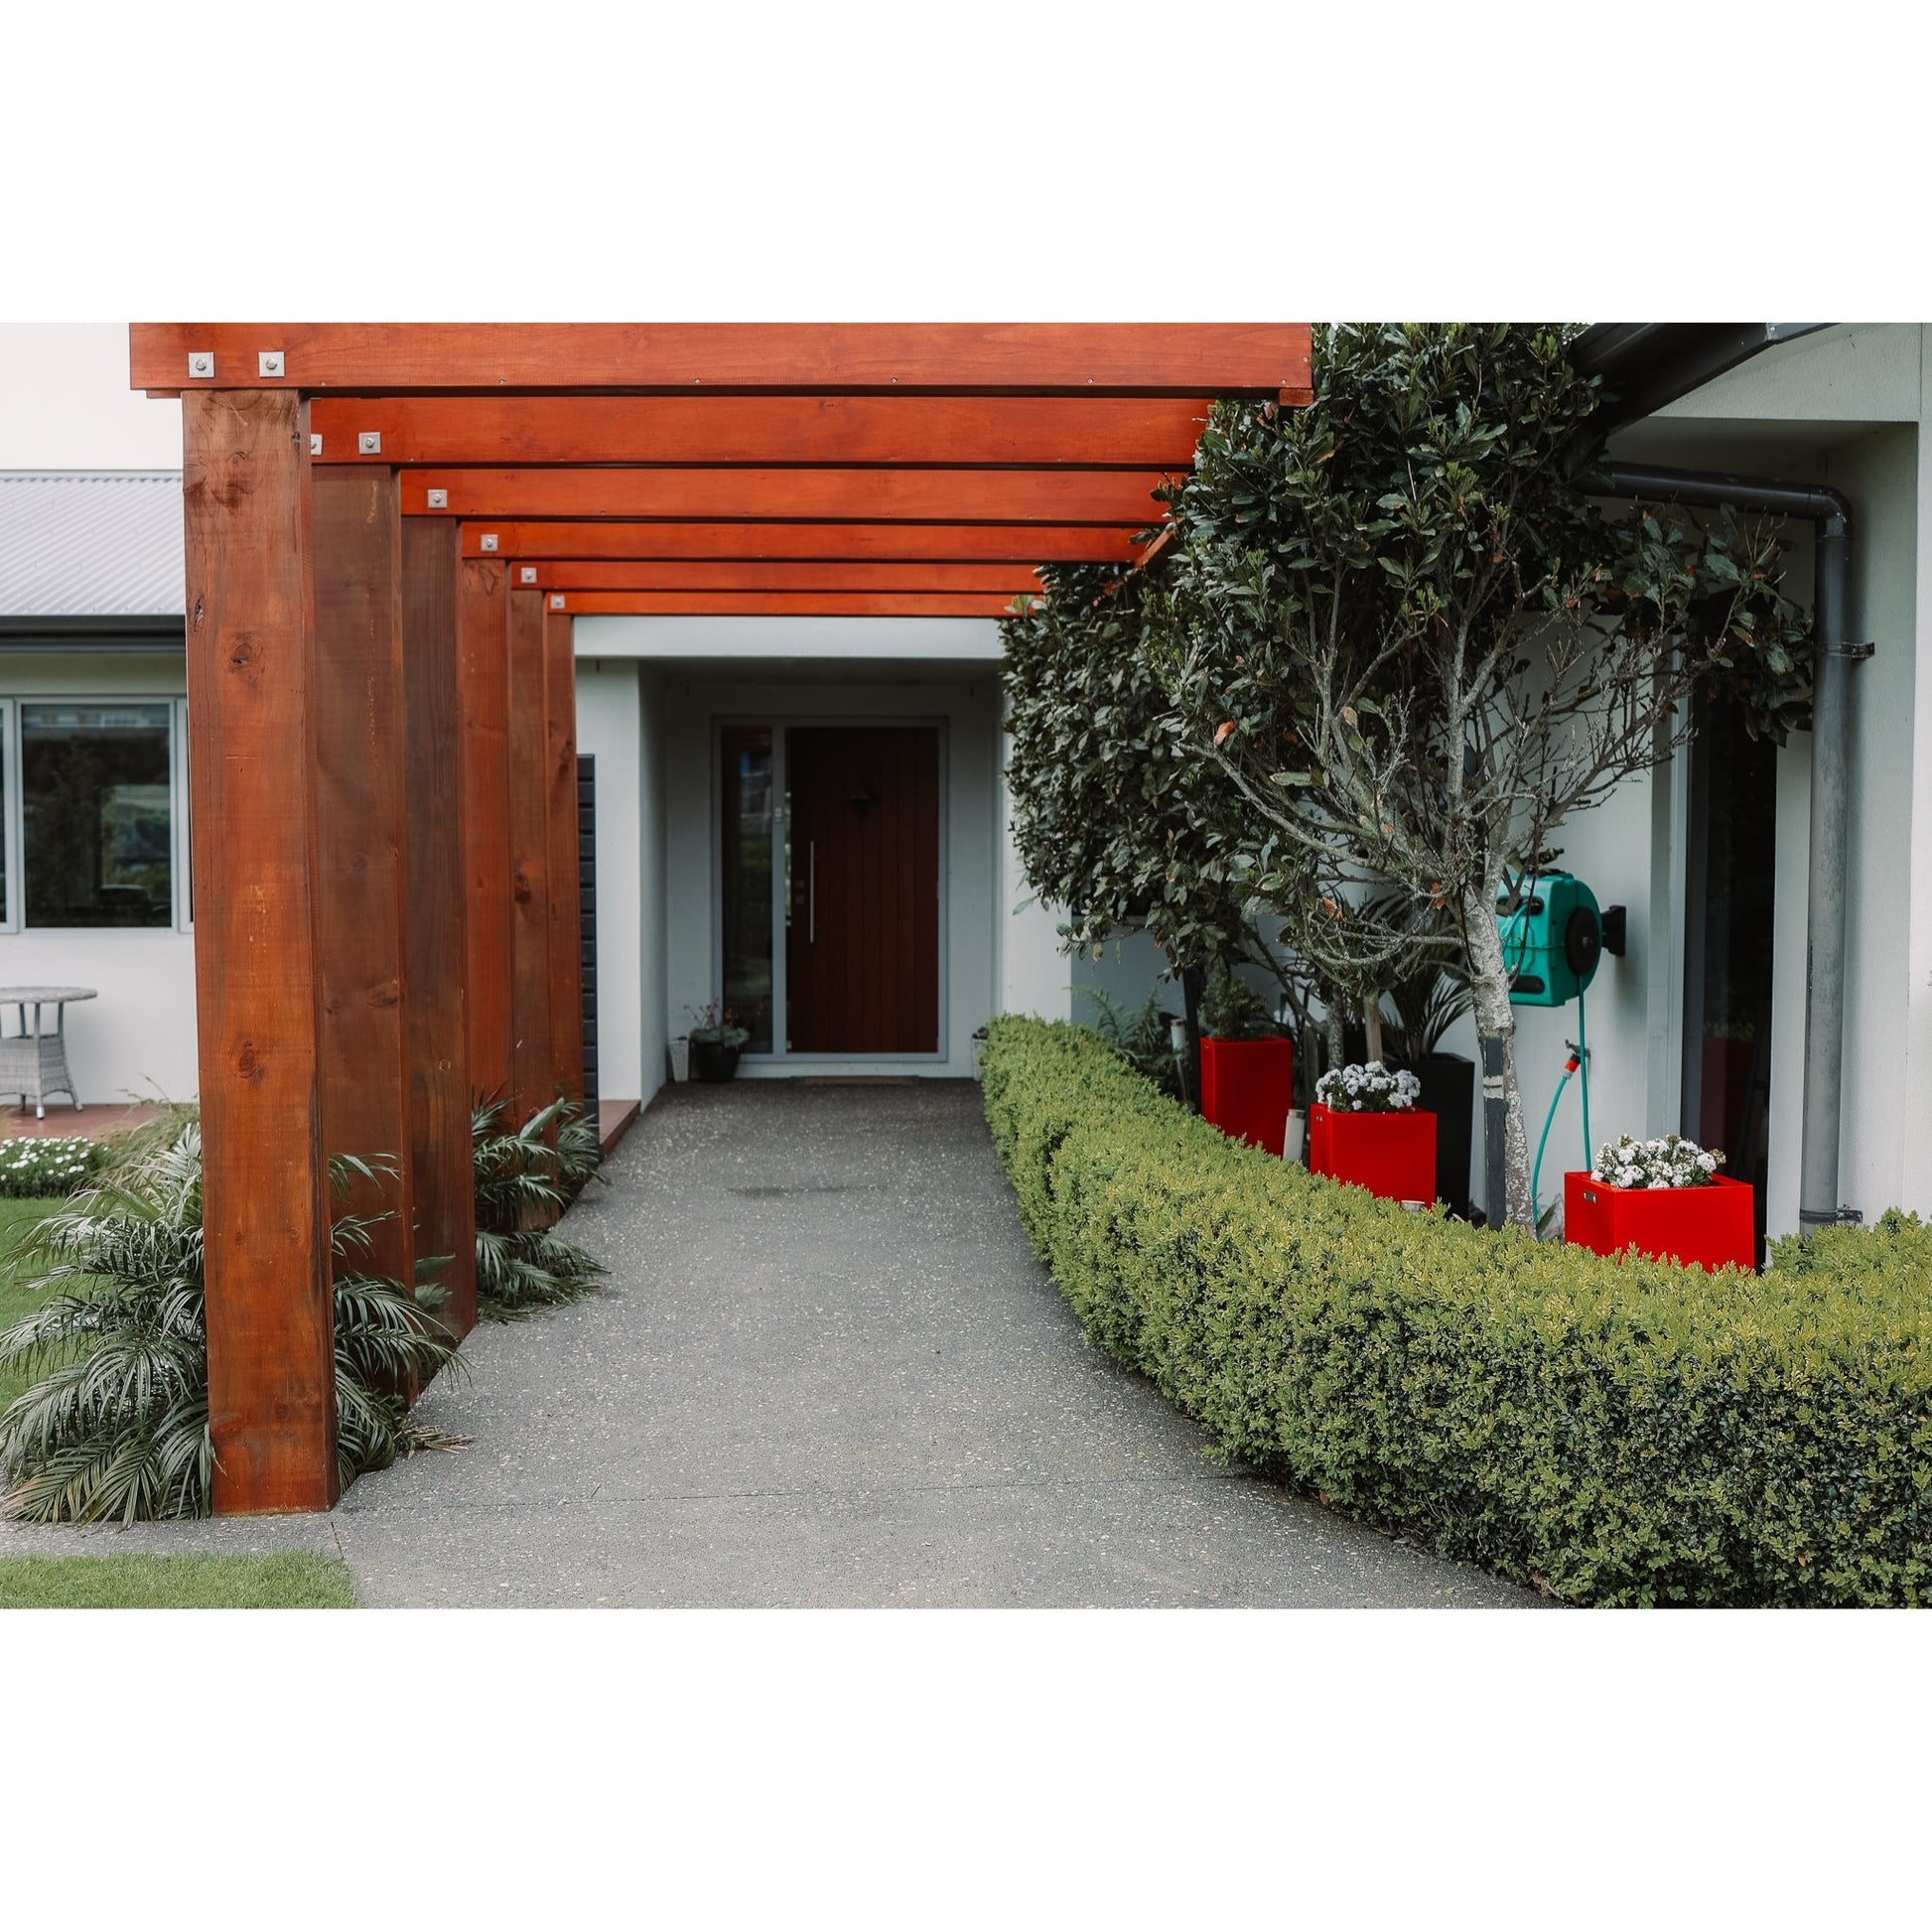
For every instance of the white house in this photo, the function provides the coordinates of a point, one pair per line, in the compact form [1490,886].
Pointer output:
[733,755]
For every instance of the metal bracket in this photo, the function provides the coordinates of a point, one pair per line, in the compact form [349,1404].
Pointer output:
[1857,653]
[200,364]
[526,573]
[368,441]
[1829,1217]
[269,363]
[439,500]
[487,543]
[557,603]
[314,444]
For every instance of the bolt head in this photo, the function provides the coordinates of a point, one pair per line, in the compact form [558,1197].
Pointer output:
[269,362]
[526,573]
[557,601]
[200,364]
[315,445]
[439,500]
[487,542]
[368,441]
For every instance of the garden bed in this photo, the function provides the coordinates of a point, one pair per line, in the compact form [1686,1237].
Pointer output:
[1620,1430]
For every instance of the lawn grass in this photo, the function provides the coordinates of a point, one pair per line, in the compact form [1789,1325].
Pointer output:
[287,1580]
[16,1297]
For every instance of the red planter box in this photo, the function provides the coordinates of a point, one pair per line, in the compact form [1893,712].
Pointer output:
[1247,1087]
[1391,1154]
[1702,1227]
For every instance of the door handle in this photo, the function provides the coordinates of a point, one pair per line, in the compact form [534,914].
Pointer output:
[811,893]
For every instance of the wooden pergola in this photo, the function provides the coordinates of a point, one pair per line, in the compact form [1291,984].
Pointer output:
[389,528]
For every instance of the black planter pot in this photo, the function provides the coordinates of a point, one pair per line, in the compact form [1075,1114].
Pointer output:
[712,1060]
[1449,1091]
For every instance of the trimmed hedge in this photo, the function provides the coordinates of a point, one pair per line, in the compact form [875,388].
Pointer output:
[1622,1432]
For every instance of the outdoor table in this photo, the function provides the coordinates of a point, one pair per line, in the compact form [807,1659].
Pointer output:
[33,1063]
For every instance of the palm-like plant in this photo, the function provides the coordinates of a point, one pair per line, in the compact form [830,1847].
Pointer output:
[1141,1038]
[118,1426]
[526,1178]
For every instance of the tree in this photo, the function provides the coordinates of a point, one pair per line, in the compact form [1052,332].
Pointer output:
[1407,637]
[1117,820]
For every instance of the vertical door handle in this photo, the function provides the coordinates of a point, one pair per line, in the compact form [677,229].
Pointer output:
[811,893]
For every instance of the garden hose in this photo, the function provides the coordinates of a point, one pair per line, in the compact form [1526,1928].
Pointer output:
[1549,1121]
[1582,1055]
[1578,1061]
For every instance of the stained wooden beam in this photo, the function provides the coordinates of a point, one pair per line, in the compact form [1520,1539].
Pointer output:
[1002,580]
[442,1178]
[361,885]
[882,495]
[1145,358]
[1022,543]
[777,604]
[531,1082]
[566,956]
[483,686]
[1032,432]
[246,514]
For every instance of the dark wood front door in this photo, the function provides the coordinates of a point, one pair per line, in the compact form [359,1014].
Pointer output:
[861,950]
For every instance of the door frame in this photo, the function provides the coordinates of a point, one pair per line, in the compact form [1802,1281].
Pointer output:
[782,725]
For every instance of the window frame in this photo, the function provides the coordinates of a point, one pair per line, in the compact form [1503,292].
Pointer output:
[13,819]
[15,908]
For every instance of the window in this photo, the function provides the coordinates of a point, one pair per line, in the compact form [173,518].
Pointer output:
[94,829]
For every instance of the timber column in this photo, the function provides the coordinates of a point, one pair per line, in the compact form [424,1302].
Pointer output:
[246,510]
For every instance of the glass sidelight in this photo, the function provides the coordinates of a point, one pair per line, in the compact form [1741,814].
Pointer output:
[746,769]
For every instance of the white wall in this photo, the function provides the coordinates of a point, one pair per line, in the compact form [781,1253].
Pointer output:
[139,1036]
[1034,975]
[653,791]
[1879,472]
[610,728]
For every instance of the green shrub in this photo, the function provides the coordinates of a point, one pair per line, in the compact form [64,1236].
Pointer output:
[54,1166]
[1624,1432]
[117,1426]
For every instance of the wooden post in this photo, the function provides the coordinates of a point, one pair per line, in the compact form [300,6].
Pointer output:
[247,513]
[442,1178]
[566,899]
[533,1069]
[362,886]
[482,690]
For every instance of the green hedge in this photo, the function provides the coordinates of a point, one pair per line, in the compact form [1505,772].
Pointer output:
[1624,1432]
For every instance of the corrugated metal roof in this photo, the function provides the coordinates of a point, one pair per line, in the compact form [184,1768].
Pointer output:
[91,543]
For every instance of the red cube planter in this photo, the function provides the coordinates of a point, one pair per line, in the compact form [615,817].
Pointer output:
[1392,1154]
[1702,1227]
[1247,1087]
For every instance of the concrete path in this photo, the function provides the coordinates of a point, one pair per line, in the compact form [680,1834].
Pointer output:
[827,1370]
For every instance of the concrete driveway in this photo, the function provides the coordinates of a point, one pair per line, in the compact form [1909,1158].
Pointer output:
[827,1370]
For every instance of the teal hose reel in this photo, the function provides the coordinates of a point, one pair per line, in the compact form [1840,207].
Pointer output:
[1552,944]
[1556,938]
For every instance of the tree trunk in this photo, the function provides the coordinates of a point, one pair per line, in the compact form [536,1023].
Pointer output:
[1372,1024]
[1505,1143]
[1338,1047]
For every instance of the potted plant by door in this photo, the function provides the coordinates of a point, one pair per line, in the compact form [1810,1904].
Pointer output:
[1247,1065]
[1366,1129]
[716,1040]
[1665,1198]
